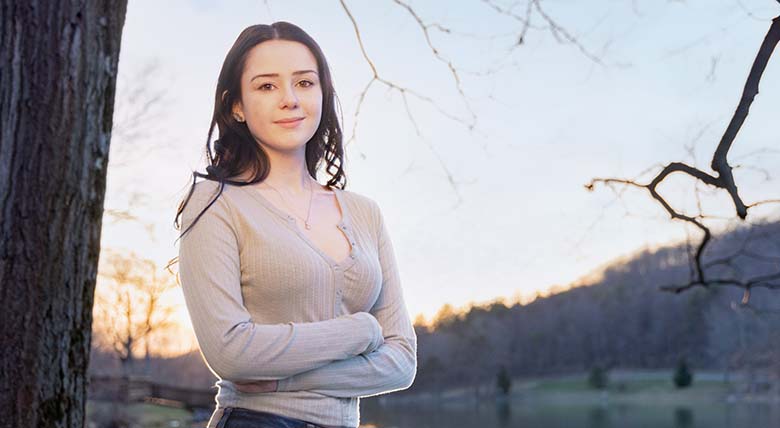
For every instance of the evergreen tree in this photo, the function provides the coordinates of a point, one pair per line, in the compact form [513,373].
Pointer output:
[597,378]
[503,381]
[682,375]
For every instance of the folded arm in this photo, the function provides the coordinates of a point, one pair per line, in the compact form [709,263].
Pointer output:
[390,367]
[235,347]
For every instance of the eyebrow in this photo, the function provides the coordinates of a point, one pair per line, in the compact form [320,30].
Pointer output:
[277,74]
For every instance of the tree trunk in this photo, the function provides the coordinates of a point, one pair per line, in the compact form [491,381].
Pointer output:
[58,68]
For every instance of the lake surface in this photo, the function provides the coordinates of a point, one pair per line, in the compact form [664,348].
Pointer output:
[523,414]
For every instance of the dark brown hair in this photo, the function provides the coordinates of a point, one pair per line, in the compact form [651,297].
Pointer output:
[236,151]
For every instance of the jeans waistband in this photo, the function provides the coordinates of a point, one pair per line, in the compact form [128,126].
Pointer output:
[238,415]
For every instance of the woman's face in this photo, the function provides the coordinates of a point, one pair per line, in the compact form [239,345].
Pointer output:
[280,82]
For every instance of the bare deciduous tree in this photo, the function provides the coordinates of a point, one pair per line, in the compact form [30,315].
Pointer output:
[129,309]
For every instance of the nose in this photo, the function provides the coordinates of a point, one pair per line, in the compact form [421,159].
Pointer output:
[289,98]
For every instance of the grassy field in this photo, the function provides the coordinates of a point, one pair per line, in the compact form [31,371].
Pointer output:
[645,387]
[653,389]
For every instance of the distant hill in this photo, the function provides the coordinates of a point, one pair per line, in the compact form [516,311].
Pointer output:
[621,319]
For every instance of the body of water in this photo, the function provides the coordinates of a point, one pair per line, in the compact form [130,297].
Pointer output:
[525,414]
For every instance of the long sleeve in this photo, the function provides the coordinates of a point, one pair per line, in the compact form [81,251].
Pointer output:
[391,367]
[235,347]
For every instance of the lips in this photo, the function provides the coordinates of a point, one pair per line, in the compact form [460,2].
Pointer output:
[290,123]
[289,120]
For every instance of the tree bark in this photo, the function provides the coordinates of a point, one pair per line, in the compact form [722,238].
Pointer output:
[58,69]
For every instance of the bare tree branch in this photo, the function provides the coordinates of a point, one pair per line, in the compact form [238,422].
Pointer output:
[724,180]
[438,56]
[388,83]
[532,7]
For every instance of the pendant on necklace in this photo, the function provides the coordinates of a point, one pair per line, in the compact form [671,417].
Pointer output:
[308,226]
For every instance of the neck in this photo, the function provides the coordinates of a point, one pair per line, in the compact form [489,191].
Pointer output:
[288,173]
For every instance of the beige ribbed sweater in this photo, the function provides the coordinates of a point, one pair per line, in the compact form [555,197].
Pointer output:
[266,303]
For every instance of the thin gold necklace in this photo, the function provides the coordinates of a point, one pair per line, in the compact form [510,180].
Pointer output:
[308,214]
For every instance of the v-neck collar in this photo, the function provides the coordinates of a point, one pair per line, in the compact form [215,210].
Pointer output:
[345,225]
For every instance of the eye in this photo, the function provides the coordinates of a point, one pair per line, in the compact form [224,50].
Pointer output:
[263,86]
[309,83]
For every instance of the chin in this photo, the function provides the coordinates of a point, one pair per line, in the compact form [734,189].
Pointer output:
[296,140]
[288,146]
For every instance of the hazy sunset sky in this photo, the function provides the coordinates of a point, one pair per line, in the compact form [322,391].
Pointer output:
[548,119]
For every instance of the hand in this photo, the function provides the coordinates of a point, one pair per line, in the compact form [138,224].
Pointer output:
[257,386]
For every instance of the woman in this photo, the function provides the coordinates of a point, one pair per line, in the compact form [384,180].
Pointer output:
[292,286]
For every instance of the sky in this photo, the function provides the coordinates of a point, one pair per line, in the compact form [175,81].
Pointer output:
[494,210]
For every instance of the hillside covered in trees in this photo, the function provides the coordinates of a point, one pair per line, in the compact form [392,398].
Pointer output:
[619,320]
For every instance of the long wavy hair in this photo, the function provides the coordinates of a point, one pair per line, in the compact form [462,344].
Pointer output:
[236,151]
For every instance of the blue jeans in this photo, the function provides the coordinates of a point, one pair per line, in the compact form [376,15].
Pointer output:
[237,417]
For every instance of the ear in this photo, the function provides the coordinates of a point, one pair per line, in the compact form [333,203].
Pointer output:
[237,110]
[238,107]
